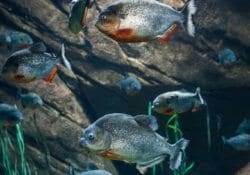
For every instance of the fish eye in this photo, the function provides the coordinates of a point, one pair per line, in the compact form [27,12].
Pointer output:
[91,137]
[103,17]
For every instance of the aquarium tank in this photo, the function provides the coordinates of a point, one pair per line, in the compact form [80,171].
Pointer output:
[124,87]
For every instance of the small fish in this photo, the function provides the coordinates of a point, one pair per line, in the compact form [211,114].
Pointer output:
[131,139]
[130,85]
[15,40]
[226,56]
[180,101]
[78,15]
[31,64]
[144,20]
[31,100]
[95,172]
[240,142]
[244,127]
[9,115]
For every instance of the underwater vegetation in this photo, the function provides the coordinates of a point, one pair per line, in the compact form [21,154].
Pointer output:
[17,164]
[173,131]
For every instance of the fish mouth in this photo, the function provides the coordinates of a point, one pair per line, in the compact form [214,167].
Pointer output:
[83,142]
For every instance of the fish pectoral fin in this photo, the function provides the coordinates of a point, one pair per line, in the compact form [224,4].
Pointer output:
[111,155]
[169,112]
[165,38]
[143,166]
[148,121]
[51,75]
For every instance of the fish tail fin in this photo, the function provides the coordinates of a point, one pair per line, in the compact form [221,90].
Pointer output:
[198,93]
[189,11]
[176,157]
[64,59]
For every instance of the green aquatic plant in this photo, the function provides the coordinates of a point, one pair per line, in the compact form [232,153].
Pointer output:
[174,131]
[13,153]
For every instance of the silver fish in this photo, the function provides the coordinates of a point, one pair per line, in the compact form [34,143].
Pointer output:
[130,85]
[144,20]
[131,139]
[15,40]
[180,101]
[31,100]
[30,64]
[240,142]
[9,115]
[33,63]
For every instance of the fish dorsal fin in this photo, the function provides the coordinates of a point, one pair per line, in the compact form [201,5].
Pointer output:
[38,48]
[148,121]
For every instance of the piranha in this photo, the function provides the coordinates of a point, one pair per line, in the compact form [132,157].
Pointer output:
[15,40]
[95,172]
[144,20]
[9,115]
[181,101]
[240,142]
[130,85]
[226,56]
[31,64]
[31,100]
[244,127]
[78,15]
[131,139]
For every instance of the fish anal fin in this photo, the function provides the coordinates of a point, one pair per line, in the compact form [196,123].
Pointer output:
[51,75]
[143,166]
[166,37]
[124,33]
